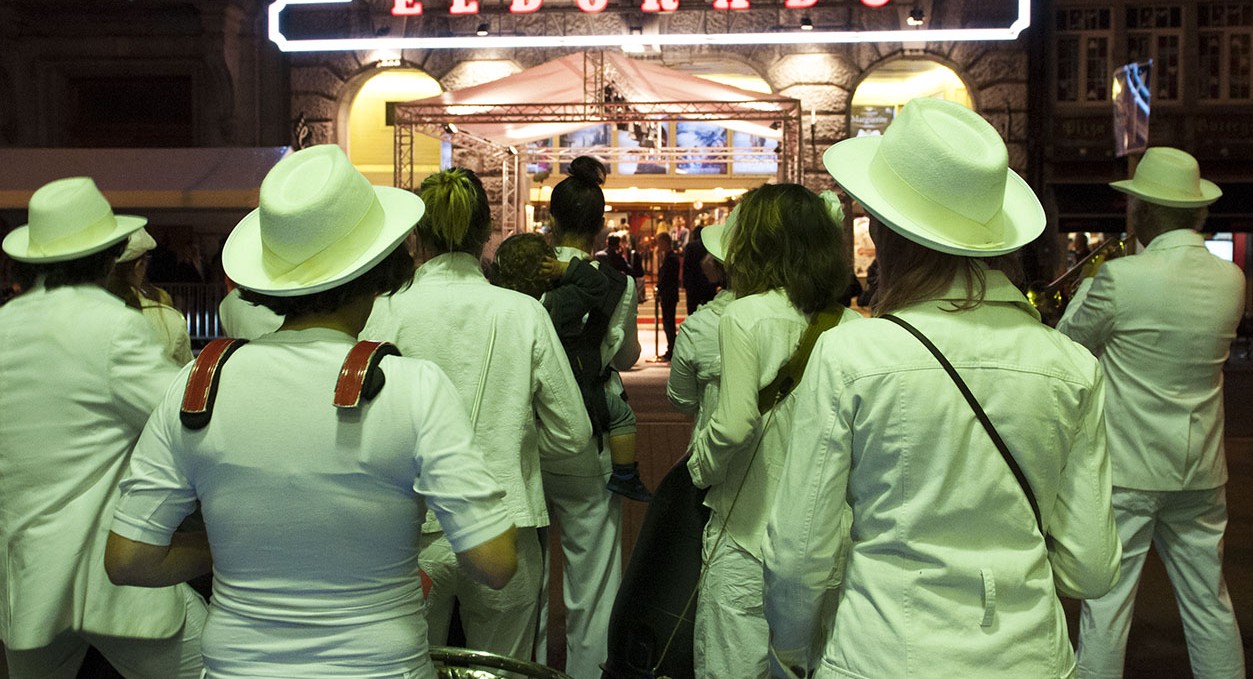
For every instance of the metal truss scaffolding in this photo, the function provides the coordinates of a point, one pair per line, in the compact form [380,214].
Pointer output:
[606,100]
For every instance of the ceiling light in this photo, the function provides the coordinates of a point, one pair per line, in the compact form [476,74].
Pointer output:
[916,17]
[483,29]
[807,24]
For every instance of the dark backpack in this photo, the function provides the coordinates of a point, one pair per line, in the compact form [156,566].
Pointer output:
[584,352]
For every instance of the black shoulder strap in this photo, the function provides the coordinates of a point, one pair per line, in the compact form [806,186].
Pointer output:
[790,374]
[979,414]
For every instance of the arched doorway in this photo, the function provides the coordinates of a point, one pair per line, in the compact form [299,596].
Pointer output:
[371,144]
[876,101]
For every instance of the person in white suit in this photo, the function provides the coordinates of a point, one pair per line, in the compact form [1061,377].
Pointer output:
[79,375]
[952,570]
[1161,323]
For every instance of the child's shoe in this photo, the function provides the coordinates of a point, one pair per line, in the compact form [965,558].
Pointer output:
[625,481]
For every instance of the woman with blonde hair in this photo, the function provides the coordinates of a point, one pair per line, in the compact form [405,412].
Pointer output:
[499,348]
[786,266]
[966,435]
[129,280]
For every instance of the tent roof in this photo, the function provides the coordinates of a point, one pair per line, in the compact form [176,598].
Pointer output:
[563,81]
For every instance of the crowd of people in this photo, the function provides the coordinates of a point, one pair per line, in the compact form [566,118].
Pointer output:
[392,429]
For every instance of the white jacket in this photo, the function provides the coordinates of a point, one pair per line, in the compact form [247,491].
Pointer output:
[696,365]
[1162,322]
[80,372]
[502,353]
[947,575]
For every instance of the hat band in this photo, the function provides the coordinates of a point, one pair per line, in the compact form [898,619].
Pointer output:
[75,241]
[330,260]
[904,198]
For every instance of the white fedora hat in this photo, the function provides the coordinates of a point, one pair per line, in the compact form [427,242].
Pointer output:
[137,245]
[1169,177]
[714,237]
[69,219]
[940,177]
[320,225]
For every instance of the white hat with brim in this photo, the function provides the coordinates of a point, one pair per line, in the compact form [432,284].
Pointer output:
[138,244]
[714,237]
[320,224]
[69,219]
[940,177]
[1170,177]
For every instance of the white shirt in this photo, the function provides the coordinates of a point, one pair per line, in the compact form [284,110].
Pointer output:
[757,336]
[696,366]
[313,513]
[1162,322]
[244,320]
[947,575]
[171,329]
[501,352]
[79,374]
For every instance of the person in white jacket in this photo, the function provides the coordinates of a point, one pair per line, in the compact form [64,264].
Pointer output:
[696,367]
[500,349]
[79,375]
[785,263]
[950,570]
[1161,323]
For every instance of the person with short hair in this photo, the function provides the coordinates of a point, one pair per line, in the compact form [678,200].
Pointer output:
[500,350]
[313,457]
[958,549]
[669,265]
[81,373]
[1162,323]
[786,266]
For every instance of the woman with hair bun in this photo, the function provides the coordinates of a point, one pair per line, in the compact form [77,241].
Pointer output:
[786,266]
[590,516]
[500,350]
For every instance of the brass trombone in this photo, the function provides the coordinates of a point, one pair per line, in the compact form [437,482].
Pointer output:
[1051,299]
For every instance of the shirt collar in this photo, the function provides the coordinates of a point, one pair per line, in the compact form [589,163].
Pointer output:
[566,253]
[1177,238]
[450,265]
[306,335]
[998,290]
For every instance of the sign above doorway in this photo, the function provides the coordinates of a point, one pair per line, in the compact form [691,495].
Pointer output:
[631,39]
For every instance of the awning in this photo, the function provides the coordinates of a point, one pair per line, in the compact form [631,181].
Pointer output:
[144,178]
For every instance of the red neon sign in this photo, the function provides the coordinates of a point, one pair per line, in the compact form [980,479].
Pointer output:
[414,7]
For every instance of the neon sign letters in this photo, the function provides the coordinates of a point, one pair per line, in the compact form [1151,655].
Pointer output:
[627,41]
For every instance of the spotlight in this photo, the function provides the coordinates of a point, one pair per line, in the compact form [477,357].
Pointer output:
[916,17]
[483,29]
[513,150]
[807,24]
[451,128]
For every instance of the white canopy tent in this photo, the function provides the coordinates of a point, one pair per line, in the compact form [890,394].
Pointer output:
[570,93]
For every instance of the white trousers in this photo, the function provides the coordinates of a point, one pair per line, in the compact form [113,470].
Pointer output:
[731,636]
[497,621]
[1186,528]
[589,518]
[177,657]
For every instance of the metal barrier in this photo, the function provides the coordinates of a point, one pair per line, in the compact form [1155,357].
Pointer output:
[199,303]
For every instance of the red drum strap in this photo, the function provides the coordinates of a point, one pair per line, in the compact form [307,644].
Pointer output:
[360,377]
[202,383]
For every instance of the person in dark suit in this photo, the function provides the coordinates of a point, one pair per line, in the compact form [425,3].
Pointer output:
[699,288]
[668,268]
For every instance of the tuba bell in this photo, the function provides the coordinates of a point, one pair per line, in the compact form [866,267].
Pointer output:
[1051,299]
